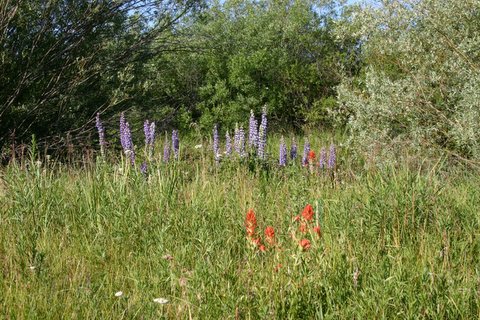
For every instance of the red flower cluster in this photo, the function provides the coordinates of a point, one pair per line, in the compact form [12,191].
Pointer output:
[306,227]
[308,213]
[270,235]
[258,243]
[305,220]
[251,225]
[303,227]
[305,244]
[311,155]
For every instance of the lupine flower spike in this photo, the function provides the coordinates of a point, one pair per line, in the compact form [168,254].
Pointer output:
[228,144]
[282,153]
[101,134]
[146,131]
[122,129]
[175,144]
[323,159]
[216,148]
[123,141]
[166,150]
[149,131]
[236,139]
[143,168]
[241,142]
[332,158]
[130,149]
[126,139]
[252,131]
[293,150]
[152,133]
[306,150]
[262,135]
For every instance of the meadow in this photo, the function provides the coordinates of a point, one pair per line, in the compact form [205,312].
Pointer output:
[368,206]
[104,240]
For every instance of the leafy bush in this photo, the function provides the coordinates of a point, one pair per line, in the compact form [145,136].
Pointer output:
[420,88]
[276,53]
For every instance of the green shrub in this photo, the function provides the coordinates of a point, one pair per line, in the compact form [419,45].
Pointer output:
[420,88]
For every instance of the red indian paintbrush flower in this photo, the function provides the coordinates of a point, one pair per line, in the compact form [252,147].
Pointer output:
[250,223]
[311,155]
[308,213]
[258,243]
[305,244]
[270,235]
[317,230]
[303,227]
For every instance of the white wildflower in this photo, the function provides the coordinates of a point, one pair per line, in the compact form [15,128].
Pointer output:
[160,300]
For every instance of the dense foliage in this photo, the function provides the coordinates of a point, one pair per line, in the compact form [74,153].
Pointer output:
[275,53]
[63,61]
[421,82]
[397,74]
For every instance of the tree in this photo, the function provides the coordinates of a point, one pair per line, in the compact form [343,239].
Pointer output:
[254,53]
[62,61]
[421,82]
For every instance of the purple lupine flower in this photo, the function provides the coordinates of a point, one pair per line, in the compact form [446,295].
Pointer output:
[175,144]
[241,142]
[149,130]
[293,150]
[143,168]
[306,150]
[152,132]
[282,153]
[323,158]
[228,144]
[146,131]
[216,148]
[122,130]
[262,135]
[152,137]
[101,134]
[236,139]
[127,138]
[261,143]
[166,150]
[252,131]
[263,123]
[332,157]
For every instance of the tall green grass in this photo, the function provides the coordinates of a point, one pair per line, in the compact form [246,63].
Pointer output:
[70,238]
